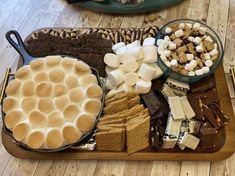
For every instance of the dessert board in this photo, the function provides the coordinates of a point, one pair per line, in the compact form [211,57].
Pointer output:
[225,143]
[112,6]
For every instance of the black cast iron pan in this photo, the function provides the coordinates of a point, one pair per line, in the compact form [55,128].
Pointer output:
[27,58]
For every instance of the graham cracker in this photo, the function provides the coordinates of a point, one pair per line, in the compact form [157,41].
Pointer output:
[118,121]
[133,102]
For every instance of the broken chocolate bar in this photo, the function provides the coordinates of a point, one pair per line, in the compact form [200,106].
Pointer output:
[210,97]
[223,118]
[152,102]
[203,85]
[210,117]
[207,137]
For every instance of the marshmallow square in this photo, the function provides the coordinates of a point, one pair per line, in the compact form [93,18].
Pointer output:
[150,54]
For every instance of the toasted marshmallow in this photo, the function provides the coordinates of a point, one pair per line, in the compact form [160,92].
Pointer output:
[112,60]
[146,72]
[150,41]
[150,54]
[116,77]
[143,87]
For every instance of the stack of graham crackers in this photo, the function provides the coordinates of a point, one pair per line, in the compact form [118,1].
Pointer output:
[125,123]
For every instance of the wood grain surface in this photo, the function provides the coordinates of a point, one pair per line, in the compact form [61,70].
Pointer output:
[28,15]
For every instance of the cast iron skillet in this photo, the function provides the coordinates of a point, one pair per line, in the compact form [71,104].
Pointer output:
[27,58]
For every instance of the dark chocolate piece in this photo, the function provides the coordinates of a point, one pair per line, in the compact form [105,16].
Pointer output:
[196,104]
[210,97]
[152,102]
[221,116]
[203,85]
[210,117]
[208,137]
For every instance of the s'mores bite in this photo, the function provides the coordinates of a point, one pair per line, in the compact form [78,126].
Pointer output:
[52,102]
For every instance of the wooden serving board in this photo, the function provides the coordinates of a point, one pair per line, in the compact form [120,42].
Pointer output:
[226,150]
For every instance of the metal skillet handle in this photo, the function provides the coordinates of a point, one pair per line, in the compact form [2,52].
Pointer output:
[19,46]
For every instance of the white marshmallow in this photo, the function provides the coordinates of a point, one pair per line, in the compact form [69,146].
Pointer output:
[197,40]
[158,72]
[112,92]
[207,56]
[163,44]
[196,26]
[109,86]
[215,45]
[150,54]
[136,52]
[167,38]
[189,57]
[214,52]
[199,72]
[172,46]
[209,39]
[146,72]
[189,25]
[131,78]
[127,57]
[116,78]
[174,63]
[202,30]
[181,25]
[163,58]
[199,49]
[112,60]
[125,87]
[140,62]
[117,46]
[190,38]
[150,41]
[143,87]
[130,66]
[206,69]
[136,43]
[168,64]
[179,33]
[189,67]
[168,30]
[108,69]
[209,63]
[121,68]
[160,50]
[193,62]
[121,51]
[167,53]
[192,73]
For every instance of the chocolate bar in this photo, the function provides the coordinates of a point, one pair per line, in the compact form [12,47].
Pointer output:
[222,117]
[173,126]
[152,102]
[210,117]
[203,85]
[176,108]
[208,137]
[210,97]
[169,142]
[196,104]
[187,108]
[188,141]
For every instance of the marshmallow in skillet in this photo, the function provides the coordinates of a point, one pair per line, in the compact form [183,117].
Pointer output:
[150,41]
[146,72]
[116,77]
[143,87]
[117,46]
[112,60]
[150,54]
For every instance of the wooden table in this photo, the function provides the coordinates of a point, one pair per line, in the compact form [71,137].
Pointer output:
[28,15]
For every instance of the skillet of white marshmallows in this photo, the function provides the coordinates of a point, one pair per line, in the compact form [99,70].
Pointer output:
[132,66]
[52,102]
